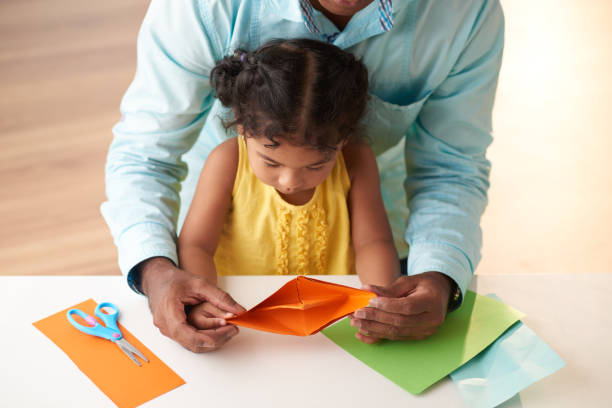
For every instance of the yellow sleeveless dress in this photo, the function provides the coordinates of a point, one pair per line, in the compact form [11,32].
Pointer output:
[265,235]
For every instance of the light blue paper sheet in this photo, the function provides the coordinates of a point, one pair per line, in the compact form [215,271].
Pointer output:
[517,359]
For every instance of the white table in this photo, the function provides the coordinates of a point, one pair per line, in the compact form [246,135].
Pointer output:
[259,369]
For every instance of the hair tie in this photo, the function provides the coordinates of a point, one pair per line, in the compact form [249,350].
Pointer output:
[242,56]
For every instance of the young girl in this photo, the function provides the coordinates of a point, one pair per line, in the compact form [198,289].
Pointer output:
[297,191]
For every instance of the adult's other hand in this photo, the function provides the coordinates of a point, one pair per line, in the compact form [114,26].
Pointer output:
[171,289]
[411,308]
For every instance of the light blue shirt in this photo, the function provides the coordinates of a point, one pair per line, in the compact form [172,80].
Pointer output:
[433,68]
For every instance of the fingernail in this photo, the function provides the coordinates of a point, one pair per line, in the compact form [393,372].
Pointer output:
[359,314]
[229,315]
[354,323]
[373,302]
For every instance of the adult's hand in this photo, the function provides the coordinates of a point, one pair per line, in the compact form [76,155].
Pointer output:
[411,308]
[171,289]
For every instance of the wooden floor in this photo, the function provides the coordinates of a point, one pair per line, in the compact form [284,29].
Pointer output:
[64,66]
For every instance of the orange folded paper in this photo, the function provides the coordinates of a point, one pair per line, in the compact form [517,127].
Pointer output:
[126,384]
[303,306]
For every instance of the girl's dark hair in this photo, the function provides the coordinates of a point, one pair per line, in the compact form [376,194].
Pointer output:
[304,91]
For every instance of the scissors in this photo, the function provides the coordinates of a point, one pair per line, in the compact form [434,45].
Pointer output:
[110,332]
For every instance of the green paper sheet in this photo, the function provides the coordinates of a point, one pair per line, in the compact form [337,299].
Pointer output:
[416,365]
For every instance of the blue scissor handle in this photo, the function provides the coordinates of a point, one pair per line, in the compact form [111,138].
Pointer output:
[110,332]
[110,319]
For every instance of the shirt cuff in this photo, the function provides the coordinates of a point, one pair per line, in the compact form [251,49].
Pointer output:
[427,256]
[143,241]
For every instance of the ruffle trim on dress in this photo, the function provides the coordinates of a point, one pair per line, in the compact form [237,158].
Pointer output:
[312,217]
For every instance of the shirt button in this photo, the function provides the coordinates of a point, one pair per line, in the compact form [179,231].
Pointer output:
[330,38]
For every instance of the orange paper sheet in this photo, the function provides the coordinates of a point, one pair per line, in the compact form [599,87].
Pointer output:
[303,306]
[126,384]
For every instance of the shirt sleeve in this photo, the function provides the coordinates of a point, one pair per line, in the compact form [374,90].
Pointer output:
[447,169]
[163,112]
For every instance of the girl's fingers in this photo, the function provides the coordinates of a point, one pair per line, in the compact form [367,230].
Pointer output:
[203,321]
[206,316]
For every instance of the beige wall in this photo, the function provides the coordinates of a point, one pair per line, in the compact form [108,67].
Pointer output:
[551,185]
[65,64]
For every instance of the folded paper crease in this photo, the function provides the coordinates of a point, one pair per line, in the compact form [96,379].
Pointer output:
[303,306]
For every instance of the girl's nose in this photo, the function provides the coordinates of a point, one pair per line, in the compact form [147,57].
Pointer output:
[290,180]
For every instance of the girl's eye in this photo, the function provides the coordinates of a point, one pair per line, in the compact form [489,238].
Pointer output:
[268,164]
[315,168]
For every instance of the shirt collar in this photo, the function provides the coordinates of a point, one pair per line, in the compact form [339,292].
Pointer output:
[385,11]
[302,10]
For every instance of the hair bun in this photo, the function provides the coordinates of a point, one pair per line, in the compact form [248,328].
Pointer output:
[223,76]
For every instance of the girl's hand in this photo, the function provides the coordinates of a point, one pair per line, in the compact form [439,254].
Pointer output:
[411,308]
[171,289]
[207,316]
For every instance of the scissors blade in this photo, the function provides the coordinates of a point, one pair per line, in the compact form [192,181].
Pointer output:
[130,350]
[127,353]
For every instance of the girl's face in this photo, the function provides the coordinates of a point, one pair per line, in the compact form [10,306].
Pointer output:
[294,171]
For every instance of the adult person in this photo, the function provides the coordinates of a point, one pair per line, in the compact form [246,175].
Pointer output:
[433,68]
